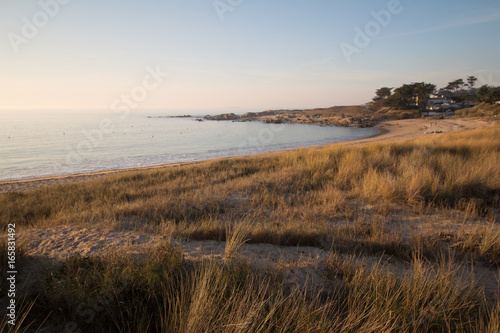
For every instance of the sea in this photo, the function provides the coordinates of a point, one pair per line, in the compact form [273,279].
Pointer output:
[41,143]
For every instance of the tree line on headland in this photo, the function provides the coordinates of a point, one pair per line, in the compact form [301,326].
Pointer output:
[417,94]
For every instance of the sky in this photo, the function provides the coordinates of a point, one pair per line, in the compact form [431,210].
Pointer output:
[230,54]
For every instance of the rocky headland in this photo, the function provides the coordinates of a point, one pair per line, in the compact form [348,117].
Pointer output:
[346,116]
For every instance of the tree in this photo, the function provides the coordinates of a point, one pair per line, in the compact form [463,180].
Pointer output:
[445,93]
[496,95]
[471,82]
[460,91]
[483,94]
[423,91]
[403,97]
[382,94]
[455,86]
[487,94]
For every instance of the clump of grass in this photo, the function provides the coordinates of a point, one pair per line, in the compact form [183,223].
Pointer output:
[481,110]
[424,299]
[109,293]
[491,323]
[484,240]
[237,235]
[23,309]
[118,294]
[161,292]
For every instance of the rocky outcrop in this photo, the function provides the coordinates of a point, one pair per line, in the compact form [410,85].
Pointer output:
[225,116]
[351,116]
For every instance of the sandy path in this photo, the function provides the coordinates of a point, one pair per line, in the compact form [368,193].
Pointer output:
[58,242]
[390,131]
[302,266]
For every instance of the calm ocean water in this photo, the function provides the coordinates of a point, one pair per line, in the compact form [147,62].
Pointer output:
[34,144]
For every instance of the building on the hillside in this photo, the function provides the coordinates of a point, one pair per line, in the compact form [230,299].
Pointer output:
[439,100]
[439,103]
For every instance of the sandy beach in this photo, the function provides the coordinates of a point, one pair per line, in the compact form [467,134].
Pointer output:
[397,130]
[394,130]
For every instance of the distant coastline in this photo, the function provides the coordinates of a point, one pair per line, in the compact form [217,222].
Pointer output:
[344,116]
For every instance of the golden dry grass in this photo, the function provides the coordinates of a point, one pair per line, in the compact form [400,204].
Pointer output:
[294,198]
[113,293]
[413,200]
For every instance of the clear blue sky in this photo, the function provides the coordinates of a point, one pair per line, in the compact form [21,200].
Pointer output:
[236,53]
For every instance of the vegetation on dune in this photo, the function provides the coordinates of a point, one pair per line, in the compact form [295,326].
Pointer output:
[345,200]
[481,110]
[161,293]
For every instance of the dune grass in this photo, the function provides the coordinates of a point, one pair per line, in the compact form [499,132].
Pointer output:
[161,293]
[481,110]
[375,199]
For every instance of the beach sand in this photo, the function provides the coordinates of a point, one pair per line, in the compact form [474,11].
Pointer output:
[394,130]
